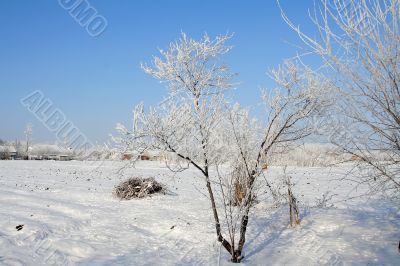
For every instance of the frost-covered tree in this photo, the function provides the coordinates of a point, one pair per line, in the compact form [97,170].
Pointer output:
[187,123]
[198,128]
[28,137]
[298,97]
[18,147]
[359,43]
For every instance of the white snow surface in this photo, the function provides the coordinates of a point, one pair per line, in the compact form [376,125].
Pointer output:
[70,217]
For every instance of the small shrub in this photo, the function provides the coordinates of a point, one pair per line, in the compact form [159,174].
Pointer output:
[324,202]
[137,187]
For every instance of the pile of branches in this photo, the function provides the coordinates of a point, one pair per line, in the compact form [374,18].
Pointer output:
[137,187]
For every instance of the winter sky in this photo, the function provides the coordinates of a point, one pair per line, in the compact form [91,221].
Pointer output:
[96,81]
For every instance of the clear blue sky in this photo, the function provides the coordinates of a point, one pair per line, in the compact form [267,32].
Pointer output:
[96,81]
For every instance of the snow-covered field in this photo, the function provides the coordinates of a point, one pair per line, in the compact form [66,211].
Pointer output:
[70,217]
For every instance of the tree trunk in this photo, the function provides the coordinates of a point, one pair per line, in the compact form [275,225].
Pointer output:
[237,256]
[293,209]
[221,239]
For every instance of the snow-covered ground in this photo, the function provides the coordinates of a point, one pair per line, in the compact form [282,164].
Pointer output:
[69,216]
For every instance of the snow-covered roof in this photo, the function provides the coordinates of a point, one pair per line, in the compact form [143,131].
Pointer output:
[41,149]
[154,153]
[7,149]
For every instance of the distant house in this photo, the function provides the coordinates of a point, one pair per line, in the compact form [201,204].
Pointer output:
[356,158]
[13,153]
[7,153]
[144,157]
[126,156]
[50,152]
[152,155]
[157,156]
[50,157]
[65,157]
[34,157]
[58,157]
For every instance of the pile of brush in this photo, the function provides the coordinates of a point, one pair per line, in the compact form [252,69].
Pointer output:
[137,187]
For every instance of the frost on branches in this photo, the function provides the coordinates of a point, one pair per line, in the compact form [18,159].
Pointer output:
[195,126]
[359,46]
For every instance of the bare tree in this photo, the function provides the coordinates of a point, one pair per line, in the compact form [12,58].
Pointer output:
[28,137]
[359,43]
[294,215]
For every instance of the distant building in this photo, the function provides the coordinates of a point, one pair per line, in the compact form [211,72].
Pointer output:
[356,158]
[7,152]
[144,157]
[152,155]
[50,157]
[157,156]
[126,156]
[50,152]
[65,157]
